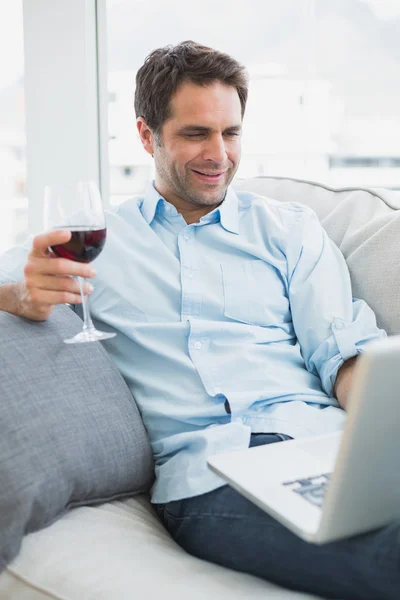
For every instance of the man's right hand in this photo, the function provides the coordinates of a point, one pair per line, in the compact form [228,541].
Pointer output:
[49,279]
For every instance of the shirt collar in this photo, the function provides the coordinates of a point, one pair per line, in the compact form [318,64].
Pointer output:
[150,203]
[228,211]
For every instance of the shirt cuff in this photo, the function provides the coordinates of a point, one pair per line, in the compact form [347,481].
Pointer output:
[347,340]
[344,338]
[4,278]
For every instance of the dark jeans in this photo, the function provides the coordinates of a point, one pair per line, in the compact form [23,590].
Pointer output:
[227,529]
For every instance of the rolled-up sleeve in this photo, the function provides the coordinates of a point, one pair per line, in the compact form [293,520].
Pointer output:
[12,262]
[331,326]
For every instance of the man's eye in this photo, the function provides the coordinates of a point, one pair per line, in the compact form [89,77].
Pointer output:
[232,134]
[194,135]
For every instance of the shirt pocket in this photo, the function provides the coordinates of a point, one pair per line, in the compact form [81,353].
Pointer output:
[254,293]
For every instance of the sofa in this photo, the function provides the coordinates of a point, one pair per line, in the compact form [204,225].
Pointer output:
[88,531]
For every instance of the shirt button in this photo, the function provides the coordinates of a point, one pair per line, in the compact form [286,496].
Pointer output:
[190,275]
[340,324]
[186,237]
[197,345]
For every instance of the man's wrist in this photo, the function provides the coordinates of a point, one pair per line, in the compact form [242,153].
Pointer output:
[343,381]
[10,298]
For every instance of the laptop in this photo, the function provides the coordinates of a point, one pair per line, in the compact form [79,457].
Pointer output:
[336,485]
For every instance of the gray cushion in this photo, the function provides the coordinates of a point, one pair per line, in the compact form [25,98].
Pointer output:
[70,431]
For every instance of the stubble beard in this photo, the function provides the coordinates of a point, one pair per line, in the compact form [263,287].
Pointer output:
[184,188]
[211,197]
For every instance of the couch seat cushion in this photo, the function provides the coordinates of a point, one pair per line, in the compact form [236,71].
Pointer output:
[120,550]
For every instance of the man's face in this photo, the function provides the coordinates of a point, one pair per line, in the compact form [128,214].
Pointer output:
[199,149]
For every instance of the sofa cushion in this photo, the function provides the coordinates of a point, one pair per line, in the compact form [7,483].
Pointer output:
[118,551]
[70,432]
[364,223]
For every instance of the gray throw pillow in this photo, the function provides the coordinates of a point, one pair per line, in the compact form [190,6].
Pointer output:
[70,431]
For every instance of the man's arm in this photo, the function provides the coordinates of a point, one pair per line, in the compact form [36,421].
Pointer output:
[343,381]
[332,326]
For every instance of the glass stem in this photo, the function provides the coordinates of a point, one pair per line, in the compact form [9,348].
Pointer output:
[87,321]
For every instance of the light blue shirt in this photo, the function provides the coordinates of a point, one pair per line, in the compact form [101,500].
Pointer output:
[250,310]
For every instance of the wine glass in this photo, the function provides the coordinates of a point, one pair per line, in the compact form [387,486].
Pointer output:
[78,208]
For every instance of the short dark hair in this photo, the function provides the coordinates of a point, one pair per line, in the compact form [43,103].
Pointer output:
[165,69]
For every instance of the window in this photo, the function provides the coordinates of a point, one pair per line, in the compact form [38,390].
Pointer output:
[324,99]
[13,201]
[381,162]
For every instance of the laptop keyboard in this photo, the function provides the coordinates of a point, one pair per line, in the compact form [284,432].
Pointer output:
[311,488]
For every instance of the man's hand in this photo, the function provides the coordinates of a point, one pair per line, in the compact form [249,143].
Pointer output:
[49,279]
[343,381]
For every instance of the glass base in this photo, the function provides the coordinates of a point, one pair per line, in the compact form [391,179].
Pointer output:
[89,335]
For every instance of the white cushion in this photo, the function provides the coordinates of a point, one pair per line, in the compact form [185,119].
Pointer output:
[120,551]
[364,224]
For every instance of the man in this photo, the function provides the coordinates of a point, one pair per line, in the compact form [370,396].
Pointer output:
[236,326]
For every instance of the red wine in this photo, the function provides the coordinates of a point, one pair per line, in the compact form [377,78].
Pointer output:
[84,246]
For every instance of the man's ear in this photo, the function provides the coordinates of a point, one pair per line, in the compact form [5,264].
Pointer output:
[146,135]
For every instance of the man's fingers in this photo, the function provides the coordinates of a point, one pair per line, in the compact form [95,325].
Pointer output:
[46,298]
[42,241]
[60,283]
[49,279]
[57,266]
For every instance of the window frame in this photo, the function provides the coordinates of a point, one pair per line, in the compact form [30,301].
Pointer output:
[67,133]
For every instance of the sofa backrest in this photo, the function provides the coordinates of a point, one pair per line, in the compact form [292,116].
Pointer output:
[364,223]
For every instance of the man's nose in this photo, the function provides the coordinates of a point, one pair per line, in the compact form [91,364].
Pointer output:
[215,149]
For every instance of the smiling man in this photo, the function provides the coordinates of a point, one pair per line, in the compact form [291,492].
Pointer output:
[198,152]
[237,326]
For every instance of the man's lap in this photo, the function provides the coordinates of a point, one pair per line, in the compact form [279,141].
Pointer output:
[224,527]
